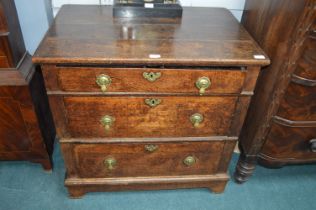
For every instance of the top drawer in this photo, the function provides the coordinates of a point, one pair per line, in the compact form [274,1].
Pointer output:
[155,80]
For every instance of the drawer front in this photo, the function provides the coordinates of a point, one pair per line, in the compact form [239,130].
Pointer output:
[299,103]
[124,160]
[307,62]
[14,136]
[150,80]
[133,117]
[290,143]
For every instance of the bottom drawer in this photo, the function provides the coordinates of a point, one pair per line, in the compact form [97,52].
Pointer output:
[291,143]
[141,159]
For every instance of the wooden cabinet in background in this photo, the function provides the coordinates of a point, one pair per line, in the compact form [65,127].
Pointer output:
[280,127]
[148,103]
[27,131]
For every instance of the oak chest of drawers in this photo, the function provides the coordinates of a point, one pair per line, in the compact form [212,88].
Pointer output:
[148,103]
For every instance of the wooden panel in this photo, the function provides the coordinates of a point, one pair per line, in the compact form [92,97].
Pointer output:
[307,62]
[84,34]
[268,23]
[11,36]
[215,183]
[298,103]
[286,143]
[136,119]
[13,132]
[26,127]
[5,53]
[134,160]
[132,80]
[3,22]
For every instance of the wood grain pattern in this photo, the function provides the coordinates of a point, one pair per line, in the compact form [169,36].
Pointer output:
[13,133]
[279,93]
[88,34]
[286,144]
[85,42]
[134,160]
[12,47]
[26,128]
[132,80]
[134,118]
[298,103]
[215,183]
[3,22]
[307,62]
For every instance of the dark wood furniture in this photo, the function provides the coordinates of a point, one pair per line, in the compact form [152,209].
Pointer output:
[132,99]
[143,8]
[280,127]
[26,125]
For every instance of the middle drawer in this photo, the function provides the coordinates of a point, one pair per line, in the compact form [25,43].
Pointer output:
[149,117]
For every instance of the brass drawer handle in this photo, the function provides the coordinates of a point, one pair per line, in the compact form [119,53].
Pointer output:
[103,81]
[152,102]
[151,76]
[189,161]
[151,148]
[202,84]
[107,121]
[196,119]
[110,163]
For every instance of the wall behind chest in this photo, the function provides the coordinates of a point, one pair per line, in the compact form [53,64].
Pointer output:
[235,6]
[35,17]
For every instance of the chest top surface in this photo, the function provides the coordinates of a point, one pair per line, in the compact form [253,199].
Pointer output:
[204,36]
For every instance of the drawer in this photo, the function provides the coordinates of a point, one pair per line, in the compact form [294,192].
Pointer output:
[307,62]
[135,117]
[141,159]
[151,80]
[299,103]
[290,143]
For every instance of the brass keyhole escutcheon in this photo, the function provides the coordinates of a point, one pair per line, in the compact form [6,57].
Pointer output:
[152,102]
[151,148]
[202,84]
[103,81]
[151,76]
[196,119]
[189,161]
[107,121]
[110,163]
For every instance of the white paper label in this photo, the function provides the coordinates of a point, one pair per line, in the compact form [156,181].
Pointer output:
[259,57]
[155,56]
[149,5]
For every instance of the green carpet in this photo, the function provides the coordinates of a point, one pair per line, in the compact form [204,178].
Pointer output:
[25,186]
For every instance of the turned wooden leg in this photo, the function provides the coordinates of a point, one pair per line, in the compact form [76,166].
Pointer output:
[244,169]
[75,193]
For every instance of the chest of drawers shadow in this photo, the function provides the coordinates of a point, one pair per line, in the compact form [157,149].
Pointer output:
[148,103]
